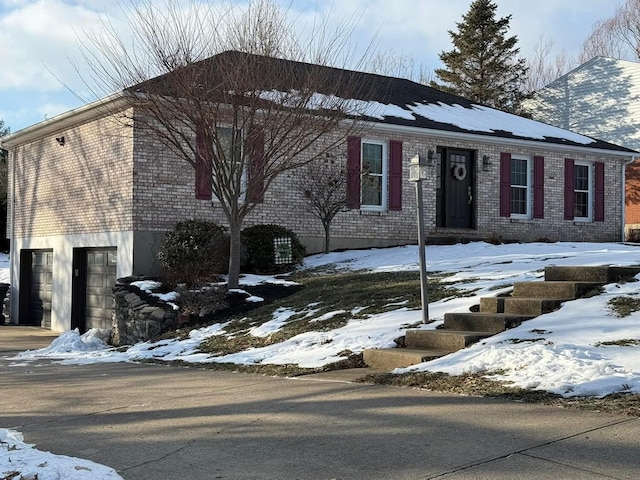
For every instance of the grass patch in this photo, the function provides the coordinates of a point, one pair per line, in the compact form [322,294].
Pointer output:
[350,360]
[626,342]
[347,292]
[624,306]
[622,403]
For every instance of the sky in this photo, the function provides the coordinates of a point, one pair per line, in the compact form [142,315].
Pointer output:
[40,53]
[560,352]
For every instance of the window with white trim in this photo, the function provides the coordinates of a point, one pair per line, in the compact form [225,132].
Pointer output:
[520,199]
[374,175]
[582,191]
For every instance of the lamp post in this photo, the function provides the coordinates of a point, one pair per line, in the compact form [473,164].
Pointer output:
[418,172]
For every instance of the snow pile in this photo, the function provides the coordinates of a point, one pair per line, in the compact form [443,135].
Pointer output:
[21,461]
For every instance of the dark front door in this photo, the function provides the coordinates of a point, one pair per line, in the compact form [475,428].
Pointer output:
[94,275]
[37,279]
[456,202]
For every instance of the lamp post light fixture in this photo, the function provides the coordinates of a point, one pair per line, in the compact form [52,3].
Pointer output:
[417,173]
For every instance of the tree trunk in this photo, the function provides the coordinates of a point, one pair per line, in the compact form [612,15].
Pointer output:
[327,236]
[235,246]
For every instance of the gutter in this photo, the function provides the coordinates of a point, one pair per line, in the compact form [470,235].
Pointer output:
[13,275]
[540,145]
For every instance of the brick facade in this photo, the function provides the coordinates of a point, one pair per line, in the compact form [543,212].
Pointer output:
[77,187]
[164,195]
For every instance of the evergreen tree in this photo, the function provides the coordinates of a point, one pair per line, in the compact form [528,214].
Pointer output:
[484,65]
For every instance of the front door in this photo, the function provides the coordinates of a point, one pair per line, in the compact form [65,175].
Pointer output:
[456,199]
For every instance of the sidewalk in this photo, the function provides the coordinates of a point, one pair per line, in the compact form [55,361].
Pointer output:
[15,338]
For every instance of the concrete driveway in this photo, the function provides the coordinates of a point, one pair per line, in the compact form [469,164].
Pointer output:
[159,422]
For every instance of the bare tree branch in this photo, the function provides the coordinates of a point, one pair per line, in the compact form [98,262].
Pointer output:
[210,84]
[324,185]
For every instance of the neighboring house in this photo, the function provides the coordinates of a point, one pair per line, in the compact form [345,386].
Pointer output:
[91,199]
[600,98]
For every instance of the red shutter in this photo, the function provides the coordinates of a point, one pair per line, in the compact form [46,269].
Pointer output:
[505,184]
[599,213]
[568,189]
[395,175]
[353,172]
[255,145]
[203,165]
[538,187]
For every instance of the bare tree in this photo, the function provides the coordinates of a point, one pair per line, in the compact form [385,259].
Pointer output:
[401,65]
[544,67]
[616,37]
[324,185]
[244,114]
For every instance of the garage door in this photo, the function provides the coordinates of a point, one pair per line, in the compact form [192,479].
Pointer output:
[100,279]
[37,274]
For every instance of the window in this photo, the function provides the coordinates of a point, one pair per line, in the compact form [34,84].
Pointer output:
[228,145]
[521,186]
[374,174]
[373,168]
[582,191]
[520,175]
[584,185]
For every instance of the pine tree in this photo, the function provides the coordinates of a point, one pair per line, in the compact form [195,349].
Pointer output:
[484,65]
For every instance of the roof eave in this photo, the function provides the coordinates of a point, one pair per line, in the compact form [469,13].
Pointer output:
[504,140]
[64,120]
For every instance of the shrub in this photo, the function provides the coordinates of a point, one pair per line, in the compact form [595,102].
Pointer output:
[258,245]
[195,251]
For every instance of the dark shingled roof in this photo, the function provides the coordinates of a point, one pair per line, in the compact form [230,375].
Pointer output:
[400,93]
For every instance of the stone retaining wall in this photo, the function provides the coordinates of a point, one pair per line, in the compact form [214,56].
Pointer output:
[137,315]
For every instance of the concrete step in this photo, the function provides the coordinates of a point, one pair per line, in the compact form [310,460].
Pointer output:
[447,340]
[387,359]
[483,322]
[532,306]
[492,304]
[553,289]
[598,274]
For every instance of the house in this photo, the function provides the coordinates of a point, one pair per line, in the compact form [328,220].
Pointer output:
[91,198]
[600,98]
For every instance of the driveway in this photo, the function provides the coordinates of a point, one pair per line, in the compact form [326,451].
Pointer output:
[167,422]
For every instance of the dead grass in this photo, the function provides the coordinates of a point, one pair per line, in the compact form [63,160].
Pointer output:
[356,295]
[623,306]
[478,385]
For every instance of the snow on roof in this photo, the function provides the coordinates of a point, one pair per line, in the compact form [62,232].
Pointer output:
[381,99]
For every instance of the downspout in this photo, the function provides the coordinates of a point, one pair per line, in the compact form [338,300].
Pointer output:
[13,276]
[624,195]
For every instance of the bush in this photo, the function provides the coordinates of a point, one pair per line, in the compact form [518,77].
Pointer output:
[258,245]
[195,251]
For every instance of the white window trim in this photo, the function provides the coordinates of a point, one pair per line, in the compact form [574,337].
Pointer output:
[529,188]
[589,217]
[385,175]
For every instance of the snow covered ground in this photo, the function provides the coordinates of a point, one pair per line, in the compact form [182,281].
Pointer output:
[561,352]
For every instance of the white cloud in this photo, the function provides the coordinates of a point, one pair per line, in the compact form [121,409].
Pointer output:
[42,35]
